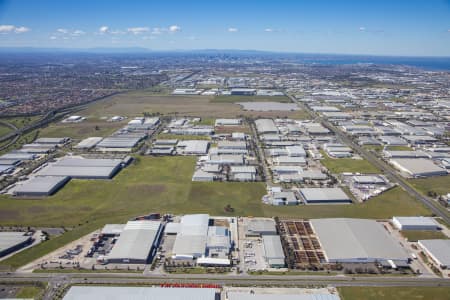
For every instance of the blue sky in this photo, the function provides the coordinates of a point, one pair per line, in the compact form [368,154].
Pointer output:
[380,27]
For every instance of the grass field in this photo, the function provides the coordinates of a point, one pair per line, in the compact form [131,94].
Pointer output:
[30,292]
[163,184]
[438,184]
[340,165]
[206,121]
[153,184]
[415,235]
[398,148]
[20,122]
[90,127]
[235,99]
[137,102]
[4,130]
[394,293]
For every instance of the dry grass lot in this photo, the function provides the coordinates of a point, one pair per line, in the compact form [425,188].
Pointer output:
[394,293]
[137,102]
[87,128]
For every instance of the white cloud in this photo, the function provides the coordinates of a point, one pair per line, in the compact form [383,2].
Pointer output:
[6,28]
[78,33]
[362,28]
[174,28]
[157,31]
[53,37]
[21,29]
[233,29]
[448,30]
[13,29]
[269,30]
[62,30]
[138,30]
[103,29]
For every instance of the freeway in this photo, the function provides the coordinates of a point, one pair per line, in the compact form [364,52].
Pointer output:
[389,171]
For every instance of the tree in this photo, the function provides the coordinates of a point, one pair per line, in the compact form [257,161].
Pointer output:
[228,208]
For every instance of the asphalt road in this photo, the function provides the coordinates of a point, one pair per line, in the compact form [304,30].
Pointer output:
[390,172]
[58,281]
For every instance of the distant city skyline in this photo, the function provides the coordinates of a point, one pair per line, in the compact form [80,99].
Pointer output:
[404,28]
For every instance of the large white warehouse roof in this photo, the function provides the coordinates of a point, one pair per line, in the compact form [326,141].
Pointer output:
[357,240]
[136,241]
[138,293]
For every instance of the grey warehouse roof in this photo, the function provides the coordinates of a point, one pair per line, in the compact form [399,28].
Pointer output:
[136,240]
[440,249]
[192,236]
[272,247]
[41,185]
[279,296]
[257,226]
[55,141]
[419,166]
[11,239]
[265,125]
[77,167]
[138,293]
[417,221]
[356,239]
[268,106]
[324,194]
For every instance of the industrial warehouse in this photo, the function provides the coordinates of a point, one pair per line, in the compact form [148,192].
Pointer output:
[199,237]
[357,241]
[53,176]
[418,167]
[438,251]
[139,293]
[83,168]
[11,241]
[40,186]
[137,243]
[198,292]
[415,223]
[324,195]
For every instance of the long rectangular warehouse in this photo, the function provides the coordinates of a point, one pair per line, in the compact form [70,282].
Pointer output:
[418,167]
[415,223]
[438,250]
[13,241]
[41,186]
[280,296]
[273,251]
[324,195]
[83,168]
[357,240]
[139,293]
[137,243]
